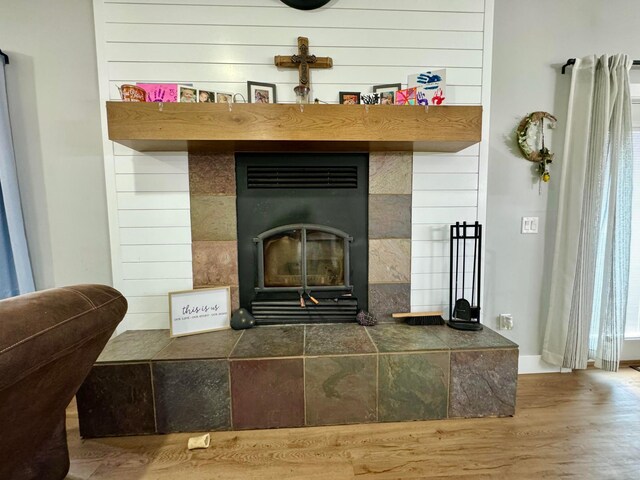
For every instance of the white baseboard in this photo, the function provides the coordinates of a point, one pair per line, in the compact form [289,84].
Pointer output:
[535,364]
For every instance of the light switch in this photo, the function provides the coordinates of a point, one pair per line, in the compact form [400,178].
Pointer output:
[529,225]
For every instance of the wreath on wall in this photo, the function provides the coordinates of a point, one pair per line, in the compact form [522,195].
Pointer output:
[530,136]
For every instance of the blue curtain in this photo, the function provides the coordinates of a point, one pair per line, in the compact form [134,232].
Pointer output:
[16,276]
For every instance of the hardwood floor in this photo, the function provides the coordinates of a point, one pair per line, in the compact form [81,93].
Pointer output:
[580,425]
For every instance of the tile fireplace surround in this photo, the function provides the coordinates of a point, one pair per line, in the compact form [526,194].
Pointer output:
[212,186]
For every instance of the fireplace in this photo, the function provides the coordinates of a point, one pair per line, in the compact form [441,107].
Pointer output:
[226,218]
[302,236]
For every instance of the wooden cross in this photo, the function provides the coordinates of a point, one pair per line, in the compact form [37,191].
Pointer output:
[303,61]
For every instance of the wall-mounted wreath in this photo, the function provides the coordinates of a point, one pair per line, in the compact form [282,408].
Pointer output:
[530,133]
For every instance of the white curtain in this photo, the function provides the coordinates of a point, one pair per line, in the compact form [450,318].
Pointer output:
[589,281]
[16,276]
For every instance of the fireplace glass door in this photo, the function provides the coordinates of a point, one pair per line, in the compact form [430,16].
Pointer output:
[325,259]
[283,259]
[302,258]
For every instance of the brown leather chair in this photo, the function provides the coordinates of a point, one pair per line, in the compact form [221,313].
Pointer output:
[49,341]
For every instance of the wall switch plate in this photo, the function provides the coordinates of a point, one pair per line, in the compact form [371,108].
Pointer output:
[506,321]
[529,225]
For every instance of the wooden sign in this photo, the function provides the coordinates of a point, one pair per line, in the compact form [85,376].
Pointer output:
[199,311]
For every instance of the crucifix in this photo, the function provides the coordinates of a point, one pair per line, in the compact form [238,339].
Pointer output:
[303,61]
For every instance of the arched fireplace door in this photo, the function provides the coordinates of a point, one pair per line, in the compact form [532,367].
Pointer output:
[303,258]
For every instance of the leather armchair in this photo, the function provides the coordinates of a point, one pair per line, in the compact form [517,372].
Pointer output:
[49,341]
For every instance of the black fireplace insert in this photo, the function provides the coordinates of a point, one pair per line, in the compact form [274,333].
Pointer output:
[302,235]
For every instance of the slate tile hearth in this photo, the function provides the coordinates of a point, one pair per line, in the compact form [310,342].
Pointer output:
[296,375]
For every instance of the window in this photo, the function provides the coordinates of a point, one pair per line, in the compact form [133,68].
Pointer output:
[632,328]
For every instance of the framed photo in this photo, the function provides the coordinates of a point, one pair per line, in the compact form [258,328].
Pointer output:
[206,96]
[187,94]
[199,311]
[370,98]
[261,92]
[349,98]
[224,97]
[387,92]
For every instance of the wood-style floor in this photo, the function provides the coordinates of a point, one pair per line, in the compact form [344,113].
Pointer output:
[582,425]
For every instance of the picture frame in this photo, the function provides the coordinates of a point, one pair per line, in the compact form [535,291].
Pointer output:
[369,98]
[187,94]
[206,96]
[224,97]
[387,92]
[199,311]
[258,92]
[349,98]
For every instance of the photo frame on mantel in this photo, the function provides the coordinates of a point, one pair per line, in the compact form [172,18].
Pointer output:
[198,311]
[387,92]
[261,92]
[349,98]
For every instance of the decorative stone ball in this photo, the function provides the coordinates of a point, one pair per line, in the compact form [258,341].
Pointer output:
[242,319]
[366,319]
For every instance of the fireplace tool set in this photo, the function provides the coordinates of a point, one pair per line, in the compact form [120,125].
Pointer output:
[464,314]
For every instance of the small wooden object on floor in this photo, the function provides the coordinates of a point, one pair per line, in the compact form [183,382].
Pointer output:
[421,318]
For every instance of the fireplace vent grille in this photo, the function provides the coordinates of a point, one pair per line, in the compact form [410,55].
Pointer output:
[302,177]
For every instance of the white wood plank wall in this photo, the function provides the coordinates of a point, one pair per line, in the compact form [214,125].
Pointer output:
[220,44]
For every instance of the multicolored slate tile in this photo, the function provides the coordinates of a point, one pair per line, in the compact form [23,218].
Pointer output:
[386,299]
[116,400]
[389,260]
[213,217]
[265,342]
[483,383]
[390,216]
[413,386]
[213,173]
[135,345]
[336,339]
[217,344]
[192,396]
[400,337]
[340,390]
[470,340]
[267,393]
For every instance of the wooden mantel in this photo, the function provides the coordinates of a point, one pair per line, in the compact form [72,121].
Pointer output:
[260,127]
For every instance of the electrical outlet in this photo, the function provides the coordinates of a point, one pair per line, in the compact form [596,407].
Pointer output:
[506,321]
[529,225]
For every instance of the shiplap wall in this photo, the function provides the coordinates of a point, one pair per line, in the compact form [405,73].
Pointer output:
[219,45]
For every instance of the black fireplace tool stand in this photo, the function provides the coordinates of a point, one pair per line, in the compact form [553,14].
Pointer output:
[464,314]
